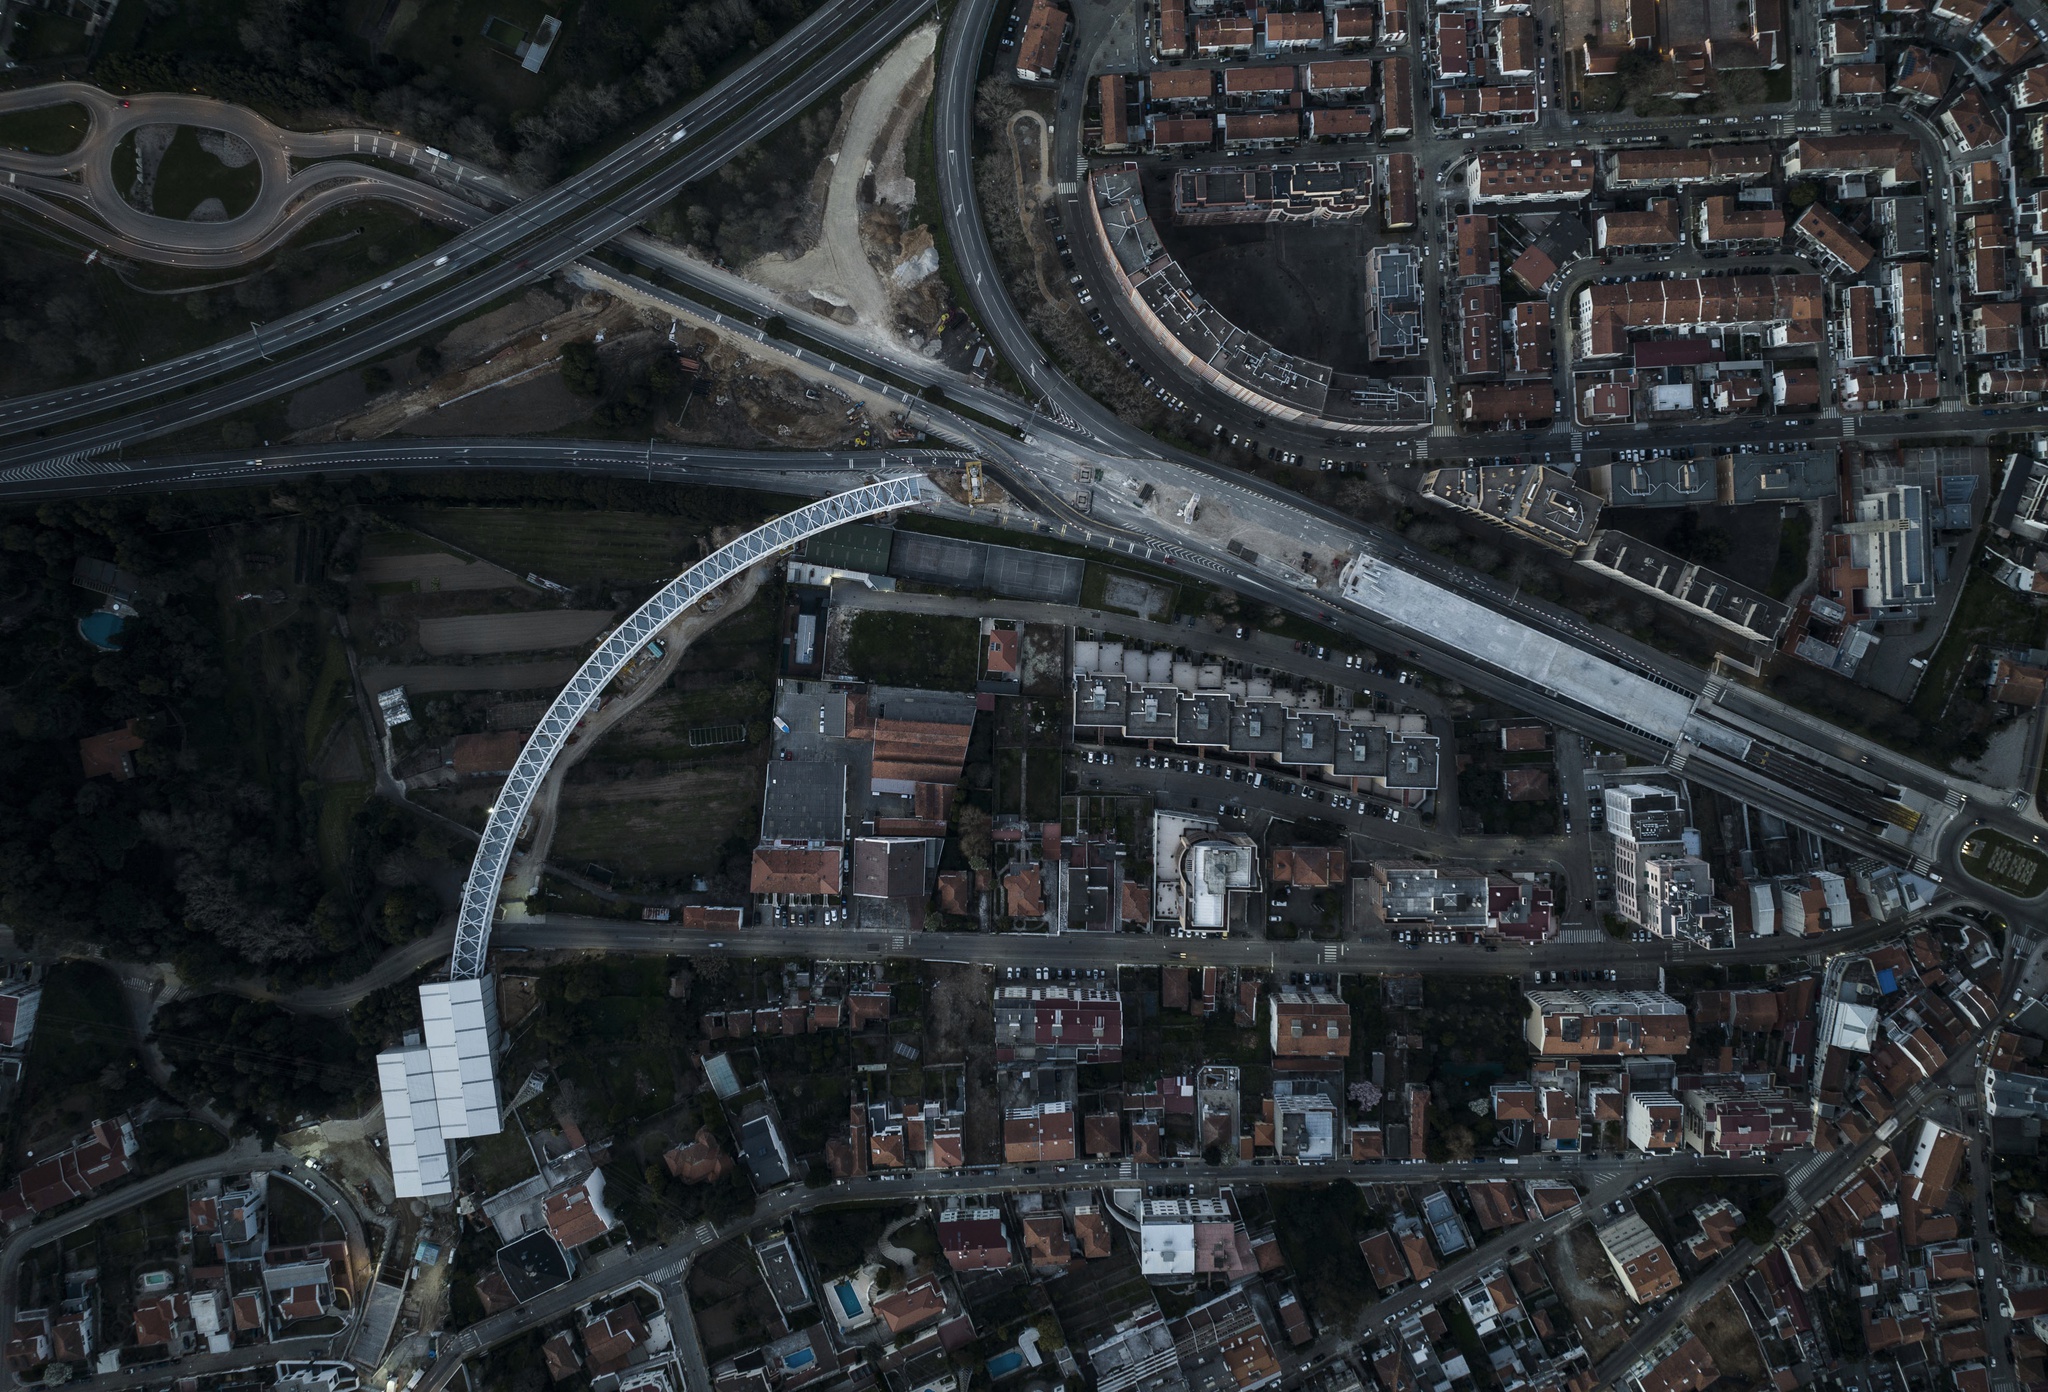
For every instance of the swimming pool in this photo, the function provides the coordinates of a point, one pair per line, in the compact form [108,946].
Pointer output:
[849,1299]
[1005,1363]
[99,629]
[802,1358]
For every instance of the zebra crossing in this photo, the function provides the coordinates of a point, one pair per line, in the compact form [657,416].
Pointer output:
[1422,447]
[78,463]
[899,941]
[1849,419]
[704,1234]
[1329,952]
[1578,439]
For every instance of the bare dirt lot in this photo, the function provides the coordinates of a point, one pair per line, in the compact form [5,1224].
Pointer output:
[862,267]
[484,676]
[1578,1269]
[674,824]
[1721,1327]
[434,572]
[538,631]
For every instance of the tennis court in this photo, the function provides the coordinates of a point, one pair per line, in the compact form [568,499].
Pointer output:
[1034,575]
[974,565]
[938,560]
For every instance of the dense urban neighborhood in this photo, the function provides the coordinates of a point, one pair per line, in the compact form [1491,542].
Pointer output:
[1024,695]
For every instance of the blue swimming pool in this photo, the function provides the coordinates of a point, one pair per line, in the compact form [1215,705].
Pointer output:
[1005,1363]
[849,1300]
[100,628]
[802,1358]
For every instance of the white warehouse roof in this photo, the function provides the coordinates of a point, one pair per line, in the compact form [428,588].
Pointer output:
[442,1090]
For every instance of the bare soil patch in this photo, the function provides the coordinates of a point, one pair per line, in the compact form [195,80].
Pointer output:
[538,631]
[1724,1331]
[1579,1271]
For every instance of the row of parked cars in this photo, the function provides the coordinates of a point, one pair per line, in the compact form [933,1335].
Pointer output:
[1256,778]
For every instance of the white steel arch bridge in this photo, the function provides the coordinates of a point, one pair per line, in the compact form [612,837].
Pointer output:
[445,1087]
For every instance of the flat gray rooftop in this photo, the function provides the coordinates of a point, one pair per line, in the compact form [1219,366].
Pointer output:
[804,801]
[1512,646]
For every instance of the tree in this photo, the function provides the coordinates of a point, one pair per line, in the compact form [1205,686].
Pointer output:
[580,371]
[935,394]
[428,360]
[775,326]
[976,844]
[1758,1229]
[376,378]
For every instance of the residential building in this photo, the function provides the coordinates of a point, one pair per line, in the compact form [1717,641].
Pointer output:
[1614,1023]
[1639,1260]
[1309,1025]
[1038,51]
[1440,896]
[1058,1021]
[1656,1122]
[1725,1120]
[1645,821]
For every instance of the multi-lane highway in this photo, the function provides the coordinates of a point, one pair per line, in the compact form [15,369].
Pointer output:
[809,473]
[528,242]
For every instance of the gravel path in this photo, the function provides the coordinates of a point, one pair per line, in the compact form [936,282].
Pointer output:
[837,269]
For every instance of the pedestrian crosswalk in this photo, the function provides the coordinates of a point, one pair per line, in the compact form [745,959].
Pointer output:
[899,941]
[1849,419]
[1578,439]
[77,464]
[1329,952]
[704,1234]
[1422,447]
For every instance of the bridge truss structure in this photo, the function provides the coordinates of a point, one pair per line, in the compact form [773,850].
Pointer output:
[576,700]
[442,1086]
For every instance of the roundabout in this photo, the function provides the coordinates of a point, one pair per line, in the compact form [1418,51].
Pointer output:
[191,181]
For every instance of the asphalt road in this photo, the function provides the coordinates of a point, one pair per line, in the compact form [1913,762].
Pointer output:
[547,231]
[286,200]
[1145,536]
[1607,1178]
[809,473]
[1370,952]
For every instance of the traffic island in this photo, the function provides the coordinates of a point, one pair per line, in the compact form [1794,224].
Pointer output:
[2000,862]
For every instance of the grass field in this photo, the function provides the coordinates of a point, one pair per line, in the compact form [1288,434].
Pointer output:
[1997,860]
[82,1037]
[189,176]
[167,1144]
[339,803]
[328,701]
[1794,537]
[341,248]
[934,651]
[1987,612]
[563,546]
[296,1217]
[47,130]
[47,36]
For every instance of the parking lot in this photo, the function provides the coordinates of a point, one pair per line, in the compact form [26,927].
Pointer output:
[1251,779]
